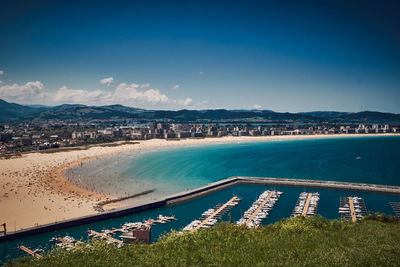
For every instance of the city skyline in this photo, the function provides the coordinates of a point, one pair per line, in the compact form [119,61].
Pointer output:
[281,56]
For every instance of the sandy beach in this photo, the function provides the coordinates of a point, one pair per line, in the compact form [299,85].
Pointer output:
[34,191]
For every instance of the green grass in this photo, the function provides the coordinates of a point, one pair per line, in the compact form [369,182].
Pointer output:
[315,241]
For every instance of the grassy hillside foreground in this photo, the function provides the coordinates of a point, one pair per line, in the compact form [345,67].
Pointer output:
[312,242]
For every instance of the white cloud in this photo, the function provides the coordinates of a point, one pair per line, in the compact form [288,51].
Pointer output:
[66,95]
[145,85]
[201,72]
[175,87]
[257,106]
[1,81]
[107,81]
[1,72]
[126,94]
[185,102]
[20,93]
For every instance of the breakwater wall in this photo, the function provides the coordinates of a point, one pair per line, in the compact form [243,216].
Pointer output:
[387,189]
[195,193]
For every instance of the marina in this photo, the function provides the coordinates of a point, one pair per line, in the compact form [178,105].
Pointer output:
[211,216]
[396,208]
[352,208]
[188,211]
[196,193]
[306,205]
[260,209]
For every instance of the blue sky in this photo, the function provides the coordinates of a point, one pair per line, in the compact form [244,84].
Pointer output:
[279,55]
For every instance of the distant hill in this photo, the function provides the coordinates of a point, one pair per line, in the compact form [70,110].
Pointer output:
[326,114]
[11,112]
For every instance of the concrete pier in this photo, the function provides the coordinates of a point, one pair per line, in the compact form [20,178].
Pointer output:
[388,189]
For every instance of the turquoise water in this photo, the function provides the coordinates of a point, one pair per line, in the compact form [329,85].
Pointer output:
[367,159]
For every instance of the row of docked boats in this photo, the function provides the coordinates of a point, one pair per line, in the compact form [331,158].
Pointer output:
[66,242]
[352,208]
[211,216]
[396,208]
[260,209]
[306,205]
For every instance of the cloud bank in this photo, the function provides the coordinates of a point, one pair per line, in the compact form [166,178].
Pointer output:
[133,94]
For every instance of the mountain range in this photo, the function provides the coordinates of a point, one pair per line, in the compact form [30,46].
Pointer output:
[14,113]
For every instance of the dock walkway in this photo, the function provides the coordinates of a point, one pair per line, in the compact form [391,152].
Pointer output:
[304,213]
[306,205]
[260,207]
[105,236]
[218,211]
[352,208]
[66,242]
[30,252]
[352,212]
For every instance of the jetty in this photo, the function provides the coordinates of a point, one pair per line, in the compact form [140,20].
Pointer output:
[352,208]
[99,206]
[211,216]
[33,253]
[127,228]
[135,225]
[396,208]
[260,209]
[306,205]
[66,242]
[105,236]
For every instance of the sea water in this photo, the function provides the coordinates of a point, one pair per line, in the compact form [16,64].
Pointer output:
[366,159]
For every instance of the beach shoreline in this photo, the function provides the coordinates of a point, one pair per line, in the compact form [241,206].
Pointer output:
[34,190]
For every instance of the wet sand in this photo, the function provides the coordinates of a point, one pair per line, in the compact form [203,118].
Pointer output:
[34,190]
